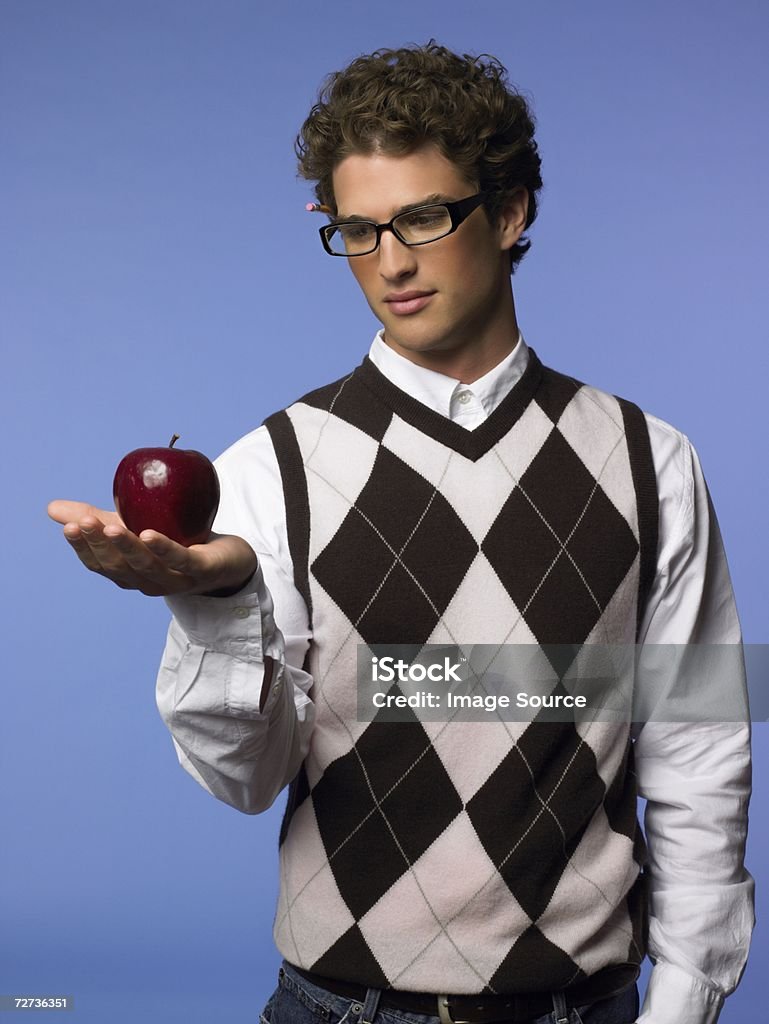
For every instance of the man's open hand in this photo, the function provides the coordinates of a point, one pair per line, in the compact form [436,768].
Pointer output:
[151,562]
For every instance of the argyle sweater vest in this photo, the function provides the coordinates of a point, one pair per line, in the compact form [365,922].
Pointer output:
[463,857]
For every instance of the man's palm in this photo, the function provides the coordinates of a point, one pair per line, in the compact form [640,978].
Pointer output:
[152,563]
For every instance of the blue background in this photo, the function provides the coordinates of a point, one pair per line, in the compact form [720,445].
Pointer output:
[158,273]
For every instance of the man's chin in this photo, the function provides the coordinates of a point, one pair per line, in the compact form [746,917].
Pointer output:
[418,339]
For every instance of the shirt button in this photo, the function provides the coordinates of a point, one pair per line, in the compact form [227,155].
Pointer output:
[241,613]
[464,397]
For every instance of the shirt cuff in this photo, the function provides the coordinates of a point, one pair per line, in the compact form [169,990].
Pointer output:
[241,625]
[675,997]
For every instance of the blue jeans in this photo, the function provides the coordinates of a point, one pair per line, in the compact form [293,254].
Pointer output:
[297,1001]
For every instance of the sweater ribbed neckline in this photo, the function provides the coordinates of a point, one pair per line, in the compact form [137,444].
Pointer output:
[472,444]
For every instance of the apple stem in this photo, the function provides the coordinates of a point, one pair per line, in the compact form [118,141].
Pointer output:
[173,440]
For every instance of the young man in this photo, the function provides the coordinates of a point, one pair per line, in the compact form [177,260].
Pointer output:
[453,490]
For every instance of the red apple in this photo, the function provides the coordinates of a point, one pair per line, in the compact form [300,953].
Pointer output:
[173,491]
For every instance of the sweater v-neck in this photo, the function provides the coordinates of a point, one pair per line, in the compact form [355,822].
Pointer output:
[472,444]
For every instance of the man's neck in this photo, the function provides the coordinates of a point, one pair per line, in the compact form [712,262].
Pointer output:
[467,363]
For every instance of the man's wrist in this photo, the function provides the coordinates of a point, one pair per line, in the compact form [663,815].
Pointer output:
[229,591]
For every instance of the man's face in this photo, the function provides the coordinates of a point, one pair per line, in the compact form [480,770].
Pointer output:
[465,277]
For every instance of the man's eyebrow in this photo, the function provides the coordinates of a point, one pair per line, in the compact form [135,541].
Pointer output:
[434,197]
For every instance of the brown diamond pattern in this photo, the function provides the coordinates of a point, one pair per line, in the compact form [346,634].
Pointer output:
[559,545]
[417,553]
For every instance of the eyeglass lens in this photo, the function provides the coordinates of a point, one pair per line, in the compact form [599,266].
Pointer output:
[355,238]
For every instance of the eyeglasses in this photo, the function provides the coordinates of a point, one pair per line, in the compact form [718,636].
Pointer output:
[415,227]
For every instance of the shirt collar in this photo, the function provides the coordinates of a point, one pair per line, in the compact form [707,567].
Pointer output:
[436,390]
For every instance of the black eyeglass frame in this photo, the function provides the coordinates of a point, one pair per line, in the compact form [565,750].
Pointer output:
[459,210]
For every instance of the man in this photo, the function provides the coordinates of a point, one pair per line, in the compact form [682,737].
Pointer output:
[454,490]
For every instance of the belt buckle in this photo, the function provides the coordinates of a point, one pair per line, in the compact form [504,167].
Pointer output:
[445,1015]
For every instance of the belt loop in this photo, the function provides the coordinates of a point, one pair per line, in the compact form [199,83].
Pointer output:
[560,1009]
[370,1006]
[443,1010]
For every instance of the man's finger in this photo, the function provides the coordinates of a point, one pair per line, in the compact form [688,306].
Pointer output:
[102,548]
[102,553]
[172,555]
[62,511]
[67,511]
[136,555]
[82,548]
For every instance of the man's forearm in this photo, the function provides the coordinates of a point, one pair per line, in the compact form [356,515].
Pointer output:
[240,715]
[696,780]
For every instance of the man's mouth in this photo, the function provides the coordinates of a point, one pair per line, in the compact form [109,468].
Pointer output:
[402,303]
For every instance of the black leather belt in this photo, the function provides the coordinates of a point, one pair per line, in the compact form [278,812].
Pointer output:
[483,1009]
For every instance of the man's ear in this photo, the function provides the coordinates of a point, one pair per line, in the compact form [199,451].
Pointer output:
[511,222]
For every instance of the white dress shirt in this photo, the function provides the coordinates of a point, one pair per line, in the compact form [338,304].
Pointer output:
[695,778]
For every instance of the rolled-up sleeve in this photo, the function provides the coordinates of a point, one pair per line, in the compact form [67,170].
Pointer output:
[695,777]
[210,681]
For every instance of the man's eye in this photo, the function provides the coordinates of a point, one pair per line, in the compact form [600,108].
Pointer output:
[355,232]
[426,219]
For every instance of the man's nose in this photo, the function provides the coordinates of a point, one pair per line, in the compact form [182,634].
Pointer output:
[395,258]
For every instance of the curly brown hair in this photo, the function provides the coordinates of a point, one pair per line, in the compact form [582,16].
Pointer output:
[395,101]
